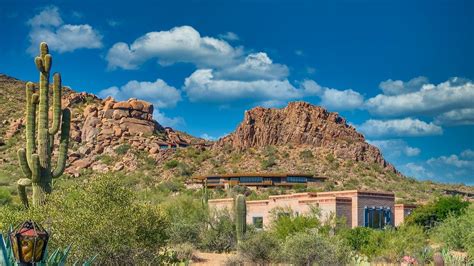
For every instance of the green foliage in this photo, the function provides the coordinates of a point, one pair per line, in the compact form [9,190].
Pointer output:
[99,217]
[312,248]
[187,217]
[358,238]
[389,245]
[261,248]
[431,214]
[267,163]
[457,232]
[171,164]
[5,196]
[219,235]
[286,223]
[122,149]
[306,155]
[330,158]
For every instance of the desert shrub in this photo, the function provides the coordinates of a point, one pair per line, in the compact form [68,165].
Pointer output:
[219,234]
[286,223]
[182,252]
[436,211]
[312,248]
[260,247]
[306,155]
[330,158]
[99,217]
[171,164]
[187,216]
[5,196]
[269,162]
[170,186]
[184,169]
[358,238]
[122,149]
[403,241]
[457,232]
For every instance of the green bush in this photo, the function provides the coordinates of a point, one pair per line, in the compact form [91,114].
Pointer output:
[431,214]
[219,234]
[100,217]
[286,223]
[403,241]
[171,164]
[311,248]
[187,217]
[267,163]
[358,238]
[122,149]
[306,155]
[260,247]
[5,196]
[457,232]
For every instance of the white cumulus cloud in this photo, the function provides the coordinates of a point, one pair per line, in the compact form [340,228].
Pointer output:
[230,36]
[180,44]
[203,86]
[48,26]
[257,66]
[395,148]
[157,92]
[408,127]
[456,117]
[396,87]
[431,99]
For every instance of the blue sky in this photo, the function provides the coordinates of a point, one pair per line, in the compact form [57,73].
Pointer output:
[400,71]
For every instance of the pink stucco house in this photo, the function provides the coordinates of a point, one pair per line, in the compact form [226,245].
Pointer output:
[359,208]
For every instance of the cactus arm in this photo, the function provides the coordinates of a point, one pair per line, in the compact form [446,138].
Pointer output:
[64,143]
[56,104]
[24,163]
[36,169]
[31,100]
[21,186]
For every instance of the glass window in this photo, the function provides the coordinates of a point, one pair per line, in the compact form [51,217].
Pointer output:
[258,222]
[250,179]
[296,179]
[377,217]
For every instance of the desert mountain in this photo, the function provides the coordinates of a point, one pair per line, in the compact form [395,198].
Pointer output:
[301,123]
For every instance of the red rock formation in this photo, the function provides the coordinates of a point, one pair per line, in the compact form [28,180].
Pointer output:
[301,123]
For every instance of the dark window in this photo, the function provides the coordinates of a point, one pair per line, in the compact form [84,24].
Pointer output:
[377,217]
[258,222]
[250,179]
[296,179]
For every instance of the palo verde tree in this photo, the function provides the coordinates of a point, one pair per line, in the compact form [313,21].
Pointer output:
[35,160]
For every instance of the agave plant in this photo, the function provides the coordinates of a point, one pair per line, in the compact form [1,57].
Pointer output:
[57,258]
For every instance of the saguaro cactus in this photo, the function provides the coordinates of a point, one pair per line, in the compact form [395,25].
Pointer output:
[240,216]
[205,196]
[35,161]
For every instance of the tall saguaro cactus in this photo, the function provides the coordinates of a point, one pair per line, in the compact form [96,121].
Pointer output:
[35,161]
[240,216]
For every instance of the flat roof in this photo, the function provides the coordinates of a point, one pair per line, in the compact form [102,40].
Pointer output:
[258,175]
[363,192]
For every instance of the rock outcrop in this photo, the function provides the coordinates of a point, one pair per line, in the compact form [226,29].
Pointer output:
[301,123]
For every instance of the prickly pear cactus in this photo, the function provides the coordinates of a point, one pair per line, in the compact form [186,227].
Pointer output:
[240,216]
[35,160]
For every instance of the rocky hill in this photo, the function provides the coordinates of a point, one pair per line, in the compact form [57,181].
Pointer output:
[301,123]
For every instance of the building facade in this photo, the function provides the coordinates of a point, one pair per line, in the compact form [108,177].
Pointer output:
[358,208]
[257,180]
